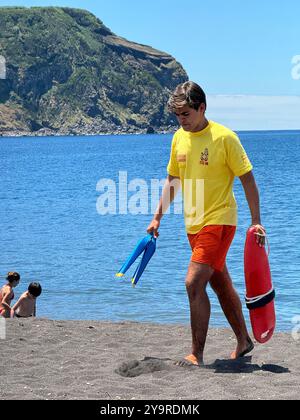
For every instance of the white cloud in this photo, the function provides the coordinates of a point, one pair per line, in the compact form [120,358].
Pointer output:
[240,112]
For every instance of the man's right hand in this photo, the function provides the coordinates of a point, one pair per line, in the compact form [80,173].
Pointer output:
[153,228]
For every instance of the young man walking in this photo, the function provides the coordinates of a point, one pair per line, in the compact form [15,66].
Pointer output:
[206,157]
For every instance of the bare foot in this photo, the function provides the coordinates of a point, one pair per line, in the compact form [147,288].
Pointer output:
[243,349]
[190,361]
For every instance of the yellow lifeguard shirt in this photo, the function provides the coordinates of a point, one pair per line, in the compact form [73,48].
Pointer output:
[207,163]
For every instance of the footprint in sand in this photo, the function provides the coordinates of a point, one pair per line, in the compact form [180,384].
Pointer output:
[136,368]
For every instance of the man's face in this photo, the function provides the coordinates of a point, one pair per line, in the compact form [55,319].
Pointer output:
[190,119]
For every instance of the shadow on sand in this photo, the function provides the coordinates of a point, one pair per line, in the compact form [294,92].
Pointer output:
[244,365]
[149,365]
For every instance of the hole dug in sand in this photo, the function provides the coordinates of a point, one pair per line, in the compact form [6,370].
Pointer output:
[136,368]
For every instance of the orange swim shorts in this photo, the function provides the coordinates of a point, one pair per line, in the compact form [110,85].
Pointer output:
[211,245]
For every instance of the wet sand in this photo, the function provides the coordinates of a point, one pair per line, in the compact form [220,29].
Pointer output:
[71,360]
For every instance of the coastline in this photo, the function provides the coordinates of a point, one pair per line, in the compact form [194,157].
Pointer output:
[133,131]
[52,133]
[71,360]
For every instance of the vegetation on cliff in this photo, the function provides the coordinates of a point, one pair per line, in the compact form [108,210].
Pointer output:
[67,73]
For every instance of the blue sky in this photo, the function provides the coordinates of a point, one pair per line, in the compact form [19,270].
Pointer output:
[230,48]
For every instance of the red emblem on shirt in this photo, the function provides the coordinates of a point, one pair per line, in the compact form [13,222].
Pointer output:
[204,158]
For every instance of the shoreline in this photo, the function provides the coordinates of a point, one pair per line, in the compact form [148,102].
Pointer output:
[171,130]
[156,324]
[102,360]
[50,133]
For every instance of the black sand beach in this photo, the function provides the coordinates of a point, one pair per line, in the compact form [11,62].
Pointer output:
[74,360]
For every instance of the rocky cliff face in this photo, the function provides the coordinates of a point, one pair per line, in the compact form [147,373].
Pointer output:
[67,73]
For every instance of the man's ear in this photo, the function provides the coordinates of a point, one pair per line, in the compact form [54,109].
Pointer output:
[202,109]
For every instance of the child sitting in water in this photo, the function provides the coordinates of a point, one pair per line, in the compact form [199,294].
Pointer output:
[26,305]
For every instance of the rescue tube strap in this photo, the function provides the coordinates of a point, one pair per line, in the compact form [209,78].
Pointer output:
[260,301]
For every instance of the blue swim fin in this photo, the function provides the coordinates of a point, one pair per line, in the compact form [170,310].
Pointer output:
[135,254]
[146,245]
[148,254]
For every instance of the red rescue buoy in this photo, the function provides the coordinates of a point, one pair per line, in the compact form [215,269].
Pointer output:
[260,293]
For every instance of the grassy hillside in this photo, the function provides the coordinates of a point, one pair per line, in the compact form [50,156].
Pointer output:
[68,73]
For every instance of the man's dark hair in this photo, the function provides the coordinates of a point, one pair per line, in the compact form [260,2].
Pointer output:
[35,289]
[188,93]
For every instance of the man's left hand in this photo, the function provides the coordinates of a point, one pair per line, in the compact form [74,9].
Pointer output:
[260,235]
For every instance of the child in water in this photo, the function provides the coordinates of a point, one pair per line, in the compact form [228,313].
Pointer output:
[26,305]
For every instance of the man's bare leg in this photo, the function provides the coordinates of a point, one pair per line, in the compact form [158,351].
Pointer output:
[231,304]
[197,279]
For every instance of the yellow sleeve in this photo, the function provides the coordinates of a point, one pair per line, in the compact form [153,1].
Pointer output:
[236,156]
[173,168]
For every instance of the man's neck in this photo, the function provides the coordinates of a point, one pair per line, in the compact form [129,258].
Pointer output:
[201,126]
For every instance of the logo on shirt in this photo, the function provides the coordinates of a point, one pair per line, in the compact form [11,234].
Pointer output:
[181,158]
[204,158]
[245,158]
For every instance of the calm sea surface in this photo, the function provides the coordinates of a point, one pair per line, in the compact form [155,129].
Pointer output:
[51,231]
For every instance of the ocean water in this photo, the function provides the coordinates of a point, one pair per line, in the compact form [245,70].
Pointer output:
[51,230]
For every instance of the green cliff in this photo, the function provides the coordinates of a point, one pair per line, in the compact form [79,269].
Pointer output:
[67,73]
